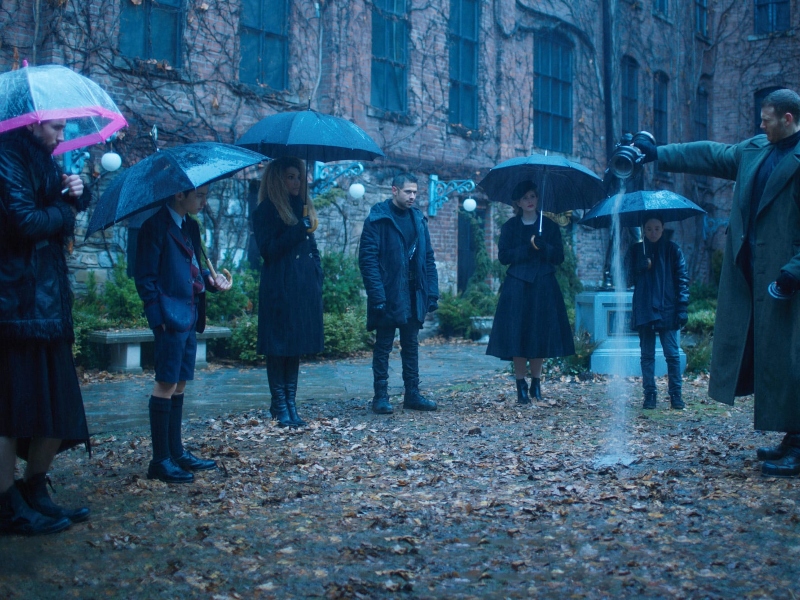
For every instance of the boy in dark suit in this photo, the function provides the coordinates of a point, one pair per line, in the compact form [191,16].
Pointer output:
[172,285]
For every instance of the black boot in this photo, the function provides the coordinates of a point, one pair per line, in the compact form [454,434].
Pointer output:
[413,400]
[291,372]
[277,389]
[380,403]
[522,392]
[676,401]
[649,400]
[775,453]
[788,466]
[536,389]
[17,518]
[34,490]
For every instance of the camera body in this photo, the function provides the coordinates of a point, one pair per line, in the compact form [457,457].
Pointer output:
[626,159]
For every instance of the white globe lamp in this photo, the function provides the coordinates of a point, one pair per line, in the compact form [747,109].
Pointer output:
[470,204]
[111,161]
[356,191]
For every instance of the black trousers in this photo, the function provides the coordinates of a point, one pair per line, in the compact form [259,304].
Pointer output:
[409,351]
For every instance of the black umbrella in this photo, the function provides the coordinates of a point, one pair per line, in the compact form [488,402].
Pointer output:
[635,208]
[562,184]
[163,174]
[310,135]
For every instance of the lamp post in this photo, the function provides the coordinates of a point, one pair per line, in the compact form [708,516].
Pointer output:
[439,190]
[325,177]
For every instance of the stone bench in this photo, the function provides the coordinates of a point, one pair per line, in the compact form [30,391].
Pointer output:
[125,346]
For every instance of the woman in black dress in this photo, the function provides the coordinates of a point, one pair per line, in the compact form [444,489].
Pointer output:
[290,291]
[531,322]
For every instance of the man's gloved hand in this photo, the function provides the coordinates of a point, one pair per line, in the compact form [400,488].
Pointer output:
[648,150]
[433,305]
[379,309]
[787,283]
[683,319]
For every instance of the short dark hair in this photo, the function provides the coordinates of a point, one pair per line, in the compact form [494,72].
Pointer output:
[653,215]
[401,179]
[522,188]
[783,101]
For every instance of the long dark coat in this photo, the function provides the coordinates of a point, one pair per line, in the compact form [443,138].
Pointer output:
[39,391]
[383,260]
[777,233]
[164,272]
[531,319]
[662,291]
[290,291]
[35,222]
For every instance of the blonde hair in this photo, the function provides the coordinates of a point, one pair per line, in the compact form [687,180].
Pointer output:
[273,187]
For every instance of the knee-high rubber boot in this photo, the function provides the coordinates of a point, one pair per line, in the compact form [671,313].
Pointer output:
[277,389]
[291,372]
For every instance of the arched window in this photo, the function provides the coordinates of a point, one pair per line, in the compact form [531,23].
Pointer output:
[758,97]
[701,113]
[464,63]
[660,107]
[629,75]
[772,16]
[552,92]
[264,43]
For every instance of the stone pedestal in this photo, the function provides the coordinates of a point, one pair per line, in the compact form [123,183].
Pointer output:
[617,352]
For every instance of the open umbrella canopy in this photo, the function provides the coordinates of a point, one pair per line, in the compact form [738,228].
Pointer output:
[635,208]
[562,184]
[35,94]
[310,135]
[165,173]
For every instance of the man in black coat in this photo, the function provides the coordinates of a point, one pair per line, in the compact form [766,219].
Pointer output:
[399,271]
[41,408]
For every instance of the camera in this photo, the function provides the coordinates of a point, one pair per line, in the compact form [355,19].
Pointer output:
[627,158]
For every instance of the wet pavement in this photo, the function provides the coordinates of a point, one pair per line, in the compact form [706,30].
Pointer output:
[121,405]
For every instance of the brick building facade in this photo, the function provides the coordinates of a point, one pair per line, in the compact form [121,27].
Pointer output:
[447,88]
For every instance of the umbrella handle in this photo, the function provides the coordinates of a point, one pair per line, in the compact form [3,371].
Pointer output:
[225,272]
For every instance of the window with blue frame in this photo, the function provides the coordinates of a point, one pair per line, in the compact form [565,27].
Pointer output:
[660,107]
[772,16]
[701,17]
[662,7]
[464,15]
[389,55]
[552,92]
[264,43]
[152,30]
[629,76]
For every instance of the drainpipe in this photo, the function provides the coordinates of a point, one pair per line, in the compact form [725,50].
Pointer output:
[608,71]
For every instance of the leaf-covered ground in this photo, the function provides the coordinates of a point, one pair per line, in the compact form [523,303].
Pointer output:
[481,499]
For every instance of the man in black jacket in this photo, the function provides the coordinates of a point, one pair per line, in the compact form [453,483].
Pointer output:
[41,408]
[399,271]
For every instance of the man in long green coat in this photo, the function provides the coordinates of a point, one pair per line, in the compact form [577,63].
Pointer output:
[757,334]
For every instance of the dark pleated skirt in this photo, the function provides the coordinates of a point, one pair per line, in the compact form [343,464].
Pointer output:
[531,320]
[40,395]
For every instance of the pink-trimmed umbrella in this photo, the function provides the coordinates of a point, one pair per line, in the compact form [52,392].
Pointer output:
[35,94]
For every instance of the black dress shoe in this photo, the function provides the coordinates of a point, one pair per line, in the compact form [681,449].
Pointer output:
[34,490]
[167,471]
[189,462]
[788,466]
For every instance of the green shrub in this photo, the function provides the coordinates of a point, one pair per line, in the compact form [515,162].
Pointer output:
[123,306]
[567,275]
[346,333]
[242,299]
[454,315]
[244,338]
[701,322]
[342,285]
[578,363]
[698,352]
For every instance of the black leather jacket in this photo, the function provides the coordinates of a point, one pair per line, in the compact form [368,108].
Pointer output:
[35,222]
